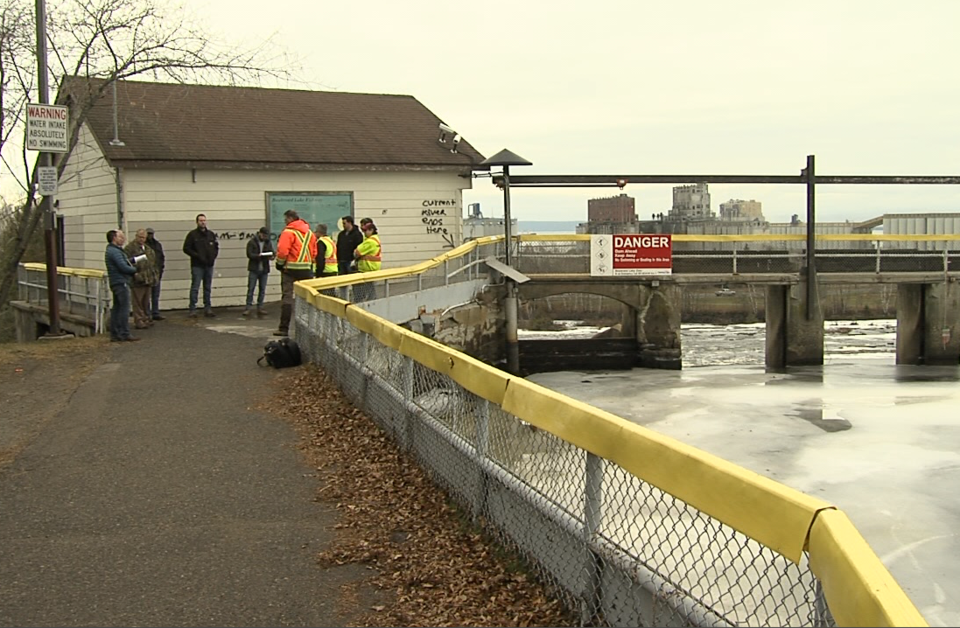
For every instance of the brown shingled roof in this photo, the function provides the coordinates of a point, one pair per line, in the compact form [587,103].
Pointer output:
[219,126]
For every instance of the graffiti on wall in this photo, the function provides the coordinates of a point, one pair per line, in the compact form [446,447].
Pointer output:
[434,215]
[240,235]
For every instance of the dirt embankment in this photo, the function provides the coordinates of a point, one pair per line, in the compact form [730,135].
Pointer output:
[36,382]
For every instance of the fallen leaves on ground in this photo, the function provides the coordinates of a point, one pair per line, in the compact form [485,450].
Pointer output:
[434,569]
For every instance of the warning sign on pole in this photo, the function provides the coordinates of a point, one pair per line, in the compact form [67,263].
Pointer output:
[631,254]
[47,180]
[47,128]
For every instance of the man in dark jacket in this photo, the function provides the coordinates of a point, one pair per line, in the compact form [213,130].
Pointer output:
[119,272]
[160,261]
[202,246]
[347,241]
[259,256]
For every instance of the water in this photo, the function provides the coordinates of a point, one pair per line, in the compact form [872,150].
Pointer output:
[543,227]
[880,441]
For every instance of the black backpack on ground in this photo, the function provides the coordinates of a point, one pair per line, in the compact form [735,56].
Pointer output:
[281,354]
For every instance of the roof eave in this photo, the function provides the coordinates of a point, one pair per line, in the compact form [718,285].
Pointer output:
[164,164]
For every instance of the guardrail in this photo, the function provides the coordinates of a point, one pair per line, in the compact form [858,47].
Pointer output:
[632,527]
[83,292]
[758,254]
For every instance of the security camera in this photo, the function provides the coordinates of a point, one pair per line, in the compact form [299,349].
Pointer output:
[446,130]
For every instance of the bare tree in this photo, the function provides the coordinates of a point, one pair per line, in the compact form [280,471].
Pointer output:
[109,40]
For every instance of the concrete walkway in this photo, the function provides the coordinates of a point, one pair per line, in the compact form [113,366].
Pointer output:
[161,496]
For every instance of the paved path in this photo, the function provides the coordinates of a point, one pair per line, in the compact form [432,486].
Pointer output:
[162,496]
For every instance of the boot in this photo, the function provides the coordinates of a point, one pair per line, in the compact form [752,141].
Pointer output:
[286,313]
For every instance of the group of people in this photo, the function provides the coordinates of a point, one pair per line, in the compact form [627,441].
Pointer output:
[137,268]
[300,256]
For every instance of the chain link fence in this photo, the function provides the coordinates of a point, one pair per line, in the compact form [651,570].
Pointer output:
[690,541]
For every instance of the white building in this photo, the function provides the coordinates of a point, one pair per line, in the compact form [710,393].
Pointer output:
[243,156]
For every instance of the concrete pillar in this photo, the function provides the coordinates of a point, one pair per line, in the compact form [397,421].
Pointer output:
[909,323]
[658,328]
[628,322]
[793,339]
[941,337]
[776,337]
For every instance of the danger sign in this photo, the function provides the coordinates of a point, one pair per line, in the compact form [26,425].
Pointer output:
[631,254]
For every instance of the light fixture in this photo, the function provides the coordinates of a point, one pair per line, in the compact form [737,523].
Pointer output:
[446,133]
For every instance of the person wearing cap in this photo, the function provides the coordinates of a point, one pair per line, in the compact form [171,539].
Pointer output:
[160,261]
[259,256]
[143,280]
[368,255]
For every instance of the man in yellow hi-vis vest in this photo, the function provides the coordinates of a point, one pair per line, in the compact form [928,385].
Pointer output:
[369,257]
[326,253]
[296,257]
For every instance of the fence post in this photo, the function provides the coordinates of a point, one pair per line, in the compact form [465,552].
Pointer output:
[482,446]
[407,392]
[811,178]
[592,501]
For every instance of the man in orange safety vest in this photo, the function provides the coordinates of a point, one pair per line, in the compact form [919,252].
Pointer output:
[296,259]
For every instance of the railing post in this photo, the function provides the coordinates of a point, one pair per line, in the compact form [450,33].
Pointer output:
[592,502]
[877,245]
[482,447]
[407,392]
[446,273]
[811,178]
[734,258]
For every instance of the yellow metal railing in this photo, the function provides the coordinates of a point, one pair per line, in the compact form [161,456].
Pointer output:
[858,588]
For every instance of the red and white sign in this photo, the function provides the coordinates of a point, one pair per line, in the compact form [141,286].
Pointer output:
[47,128]
[631,254]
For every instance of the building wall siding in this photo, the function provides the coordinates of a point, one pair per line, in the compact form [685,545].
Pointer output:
[87,196]
[418,214]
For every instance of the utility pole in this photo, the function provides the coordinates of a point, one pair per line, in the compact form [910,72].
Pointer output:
[44,160]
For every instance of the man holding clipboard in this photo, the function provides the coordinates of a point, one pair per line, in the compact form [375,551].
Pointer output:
[260,255]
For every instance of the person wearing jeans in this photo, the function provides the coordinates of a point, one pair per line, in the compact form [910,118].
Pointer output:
[259,256]
[202,246]
[119,272]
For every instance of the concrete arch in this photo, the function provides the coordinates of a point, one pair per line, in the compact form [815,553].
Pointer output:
[654,319]
[630,295]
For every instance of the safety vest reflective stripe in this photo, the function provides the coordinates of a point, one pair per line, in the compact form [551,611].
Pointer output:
[332,258]
[372,257]
[303,258]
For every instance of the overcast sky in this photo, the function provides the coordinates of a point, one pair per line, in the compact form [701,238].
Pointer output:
[642,87]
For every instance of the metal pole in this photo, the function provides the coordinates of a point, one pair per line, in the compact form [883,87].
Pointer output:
[510,302]
[506,210]
[811,178]
[50,242]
